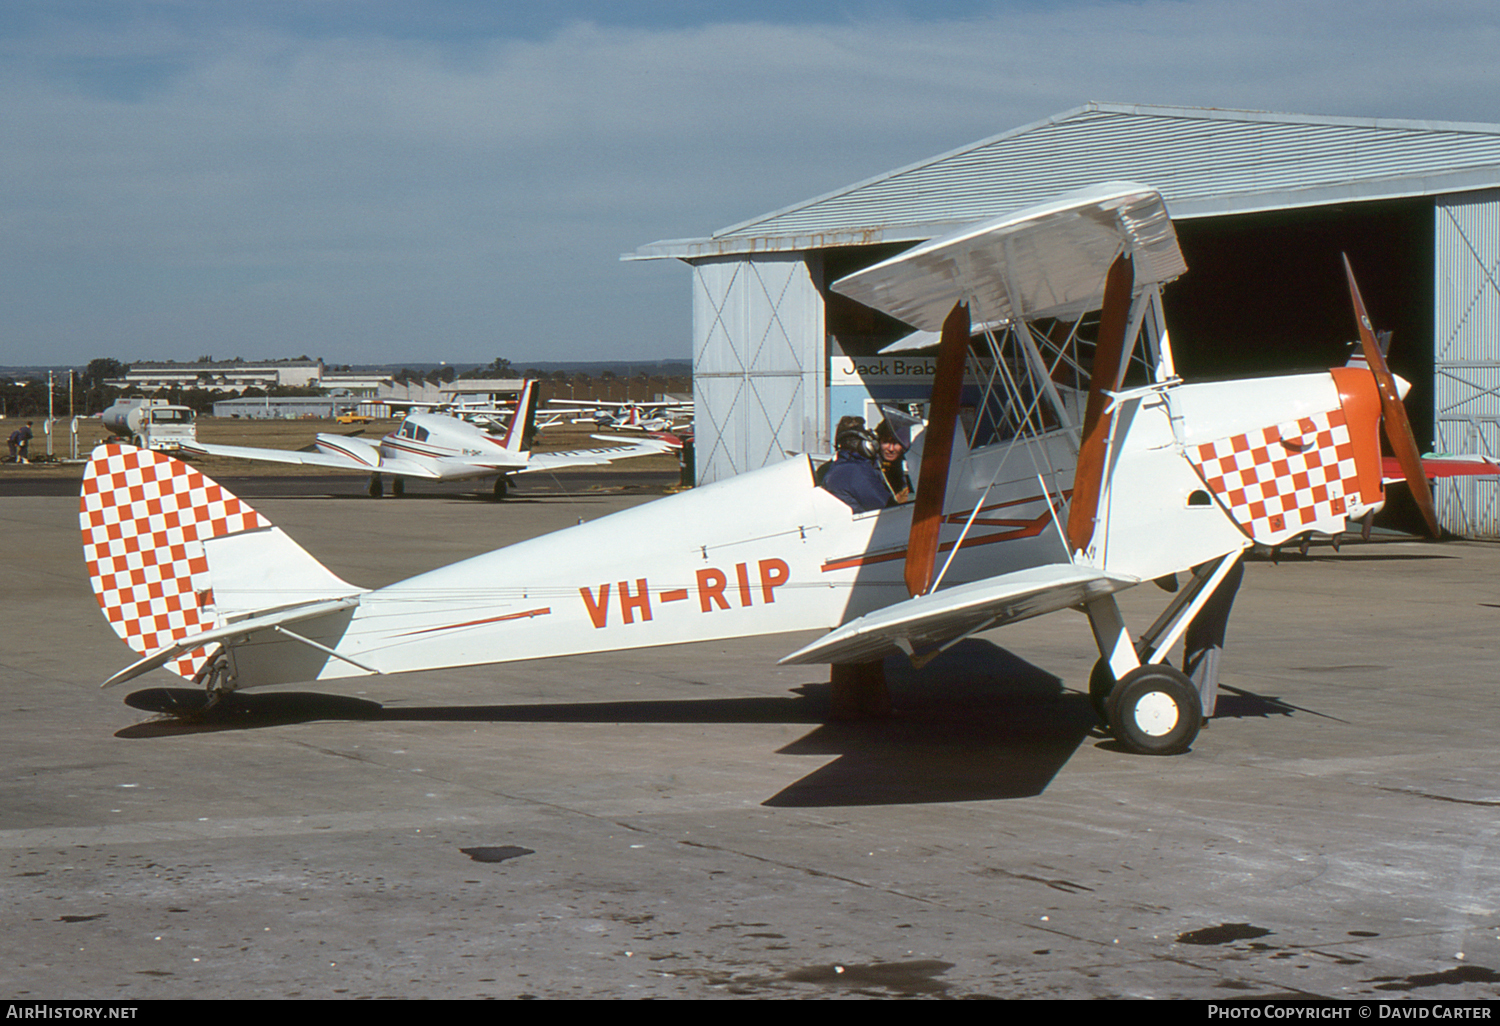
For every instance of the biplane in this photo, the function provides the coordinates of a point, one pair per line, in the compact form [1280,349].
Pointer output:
[1069,463]
[470,443]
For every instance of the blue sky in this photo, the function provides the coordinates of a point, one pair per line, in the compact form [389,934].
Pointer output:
[394,180]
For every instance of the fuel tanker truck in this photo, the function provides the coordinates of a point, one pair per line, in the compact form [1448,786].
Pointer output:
[151,423]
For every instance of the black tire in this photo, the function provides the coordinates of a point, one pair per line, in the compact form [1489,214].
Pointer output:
[1101,684]
[500,488]
[377,486]
[398,486]
[1155,710]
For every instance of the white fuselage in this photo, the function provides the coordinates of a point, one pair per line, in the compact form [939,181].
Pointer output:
[770,551]
[452,449]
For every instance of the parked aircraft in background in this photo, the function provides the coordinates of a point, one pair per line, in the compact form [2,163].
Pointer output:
[443,447]
[492,416]
[629,416]
[1436,465]
[1079,465]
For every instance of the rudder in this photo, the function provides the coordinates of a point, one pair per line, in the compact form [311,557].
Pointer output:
[522,430]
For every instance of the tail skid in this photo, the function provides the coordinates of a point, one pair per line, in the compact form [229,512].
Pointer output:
[174,558]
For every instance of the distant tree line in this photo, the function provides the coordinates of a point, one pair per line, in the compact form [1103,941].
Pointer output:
[28,398]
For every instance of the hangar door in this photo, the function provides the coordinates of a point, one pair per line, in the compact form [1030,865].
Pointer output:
[758,368]
[1466,355]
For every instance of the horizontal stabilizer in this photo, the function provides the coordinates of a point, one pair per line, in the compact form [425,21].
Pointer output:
[942,615]
[597,457]
[188,643]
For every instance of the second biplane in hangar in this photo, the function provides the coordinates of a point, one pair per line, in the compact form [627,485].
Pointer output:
[444,446]
[1080,465]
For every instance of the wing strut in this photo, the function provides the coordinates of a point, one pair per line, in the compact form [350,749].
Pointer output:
[937,451]
[1397,426]
[1109,353]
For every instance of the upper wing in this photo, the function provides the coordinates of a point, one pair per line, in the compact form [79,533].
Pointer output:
[934,618]
[595,457]
[1045,261]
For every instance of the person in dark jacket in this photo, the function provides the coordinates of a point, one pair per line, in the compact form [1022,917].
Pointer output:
[20,443]
[855,478]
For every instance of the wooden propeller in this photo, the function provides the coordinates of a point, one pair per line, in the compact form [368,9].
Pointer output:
[1397,426]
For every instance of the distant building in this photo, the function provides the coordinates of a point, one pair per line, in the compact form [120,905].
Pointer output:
[238,375]
[235,375]
[488,389]
[367,385]
[287,407]
[368,395]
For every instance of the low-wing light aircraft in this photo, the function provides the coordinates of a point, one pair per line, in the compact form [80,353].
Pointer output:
[444,447]
[1079,465]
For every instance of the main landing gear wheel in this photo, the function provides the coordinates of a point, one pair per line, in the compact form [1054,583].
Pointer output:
[1101,683]
[500,488]
[1153,710]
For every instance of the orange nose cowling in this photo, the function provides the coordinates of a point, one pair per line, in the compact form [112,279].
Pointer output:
[1360,399]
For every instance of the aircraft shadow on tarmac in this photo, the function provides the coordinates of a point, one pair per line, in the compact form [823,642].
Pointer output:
[978,723]
[1345,556]
[573,486]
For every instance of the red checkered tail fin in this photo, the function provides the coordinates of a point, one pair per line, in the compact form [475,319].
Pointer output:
[172,554]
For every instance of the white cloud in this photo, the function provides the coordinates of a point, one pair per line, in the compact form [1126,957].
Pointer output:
[244,191]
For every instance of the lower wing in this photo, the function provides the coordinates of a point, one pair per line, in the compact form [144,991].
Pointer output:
[365,458]
[943,615]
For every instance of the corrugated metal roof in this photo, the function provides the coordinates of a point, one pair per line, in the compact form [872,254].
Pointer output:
[1204,161]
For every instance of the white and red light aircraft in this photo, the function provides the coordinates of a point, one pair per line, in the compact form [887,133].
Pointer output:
[445,447]
[1067,482]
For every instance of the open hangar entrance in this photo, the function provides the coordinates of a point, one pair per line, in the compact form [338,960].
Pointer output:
[1266,293]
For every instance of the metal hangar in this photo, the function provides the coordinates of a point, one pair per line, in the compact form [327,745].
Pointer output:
[1264,204]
